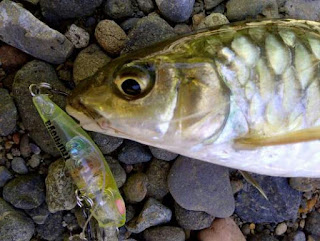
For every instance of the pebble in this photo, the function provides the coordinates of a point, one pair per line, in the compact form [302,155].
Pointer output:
[52,229]
[36,72]
[153,213]
[201,186]
[19,30]
[192,220]
[164,233]
[25,192]
[35,149]
[210,4]
[25,148]
[130,212]
[12,58]
[245,229]
[39,214]
[303,184]
[281,229]
[135,189]
[34,160]
[182,29]
[146,6]
[313,223]
[116,9]
[8,113]
[78,36]
[106,144]
[19,166]
[162,154]
[14,225]
[222,229]
[296,236]
[59,188]
[133,153]
[5,176]
[55,10]
[302,9]
[128,24]
[262,237]
[118,172]
[87,63]
[214,19]
[283,203]
[176,10]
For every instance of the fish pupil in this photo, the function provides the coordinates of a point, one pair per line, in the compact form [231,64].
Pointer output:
[131,87]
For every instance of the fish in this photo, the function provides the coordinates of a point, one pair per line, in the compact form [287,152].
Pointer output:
[244,95]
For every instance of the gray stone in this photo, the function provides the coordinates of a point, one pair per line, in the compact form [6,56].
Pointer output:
[5,176]
[106,144]
[146,6]
[282,205]
[14,225]
[118,172]
[210,4]
[19,166]
[152,214]
[34,160]
[135,189]
[303,9]
[165,233]
[78,36]
[192,220]
[25,192]
[147,31]
[54,10]
[295,236]
[304,184]
[60,189]
[262,237]
[133,153]
[313,223]
[130,212]
[36,72]
[116,9]
[128,24]
[182,29]
[200,186]
[52,228]
[24,31]
[163,154]
[39,214]
[8,113]
[157,174]
[214,19]
[176,10]
[88,62]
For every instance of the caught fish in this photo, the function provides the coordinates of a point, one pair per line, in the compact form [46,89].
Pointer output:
[84,161]
[243,95]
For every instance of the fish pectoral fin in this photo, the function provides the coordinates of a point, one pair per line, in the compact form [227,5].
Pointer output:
[310,134]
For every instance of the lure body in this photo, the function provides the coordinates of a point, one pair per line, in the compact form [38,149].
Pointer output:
[244,96]
[84,162]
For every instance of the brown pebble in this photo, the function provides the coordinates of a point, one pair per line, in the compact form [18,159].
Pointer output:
[16,138]
[12,58]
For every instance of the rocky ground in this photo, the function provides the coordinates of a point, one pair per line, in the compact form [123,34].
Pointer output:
[62,42]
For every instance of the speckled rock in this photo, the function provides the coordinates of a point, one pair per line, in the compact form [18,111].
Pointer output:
[39,214]
[54,10]
[135,189]
[262,237]
[110,36]
[313,223]
[24,31]
[11,58]
[78,36]
[60,188]
[210,4]
[8,113]
[303,9]
[36,72]
[200,186]
[214,19]
[147,31]
[116,9]
[34,161]
[192,220]
[5,176]
[282,205]
[14,225]
[281,228]
[162,154]
[304,184]
[118,172]
[175,10]
[88,62]
[182,29]
[52,228]
[106,144]
[152,214]
[25,192]
[146,6]
[157,174]
[222,229]
[133,153]
[165,233]
[19,166]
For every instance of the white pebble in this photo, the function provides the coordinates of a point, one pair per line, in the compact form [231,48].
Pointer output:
[78,36]
[281,228]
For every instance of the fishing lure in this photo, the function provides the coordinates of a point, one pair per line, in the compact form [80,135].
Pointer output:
[84,161]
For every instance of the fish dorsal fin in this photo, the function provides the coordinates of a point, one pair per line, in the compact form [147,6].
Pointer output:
[310,134]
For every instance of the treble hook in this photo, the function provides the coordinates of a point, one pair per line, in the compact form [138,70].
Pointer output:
[35,89]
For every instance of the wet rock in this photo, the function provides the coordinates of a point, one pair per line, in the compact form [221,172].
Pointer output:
[128,24]
[39,214]
[118,172]
[88,62]
[152,214]
[165,233]
[14,225]
[52,228]
[36,72]
[214,19]
[106,144]
[116,9]
[262,237]
[201,186]
[8,113]
[210,4]
[78,36]
[303,184]
[163,154]
[313,223]
[5,176]
[241,9]
[146,6]
[11,58]
[147,31]
[157,174]
[24,31]
[222,229]
[25,192]
[25,148]
[192,220]
[54,10]
[175,10]
[19,166]
[303,9]
[281,229]
[135,189]
[133,153]
[282,205]
[60,188]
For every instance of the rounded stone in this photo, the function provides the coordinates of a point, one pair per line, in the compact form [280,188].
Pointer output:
[11,58]
[5,176]
[135,189]
[281,229]
[313,223]
[214,19]
[146,6]
[118,172]
[106,144]
[163,154]
[34,160]
[116,9]
[52,229]
[303,184]
[164,233]
[133,153]
[39,214]
[8,113]
[210,4]
[78,36]
[19,166]
[176,10]
[302,9]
